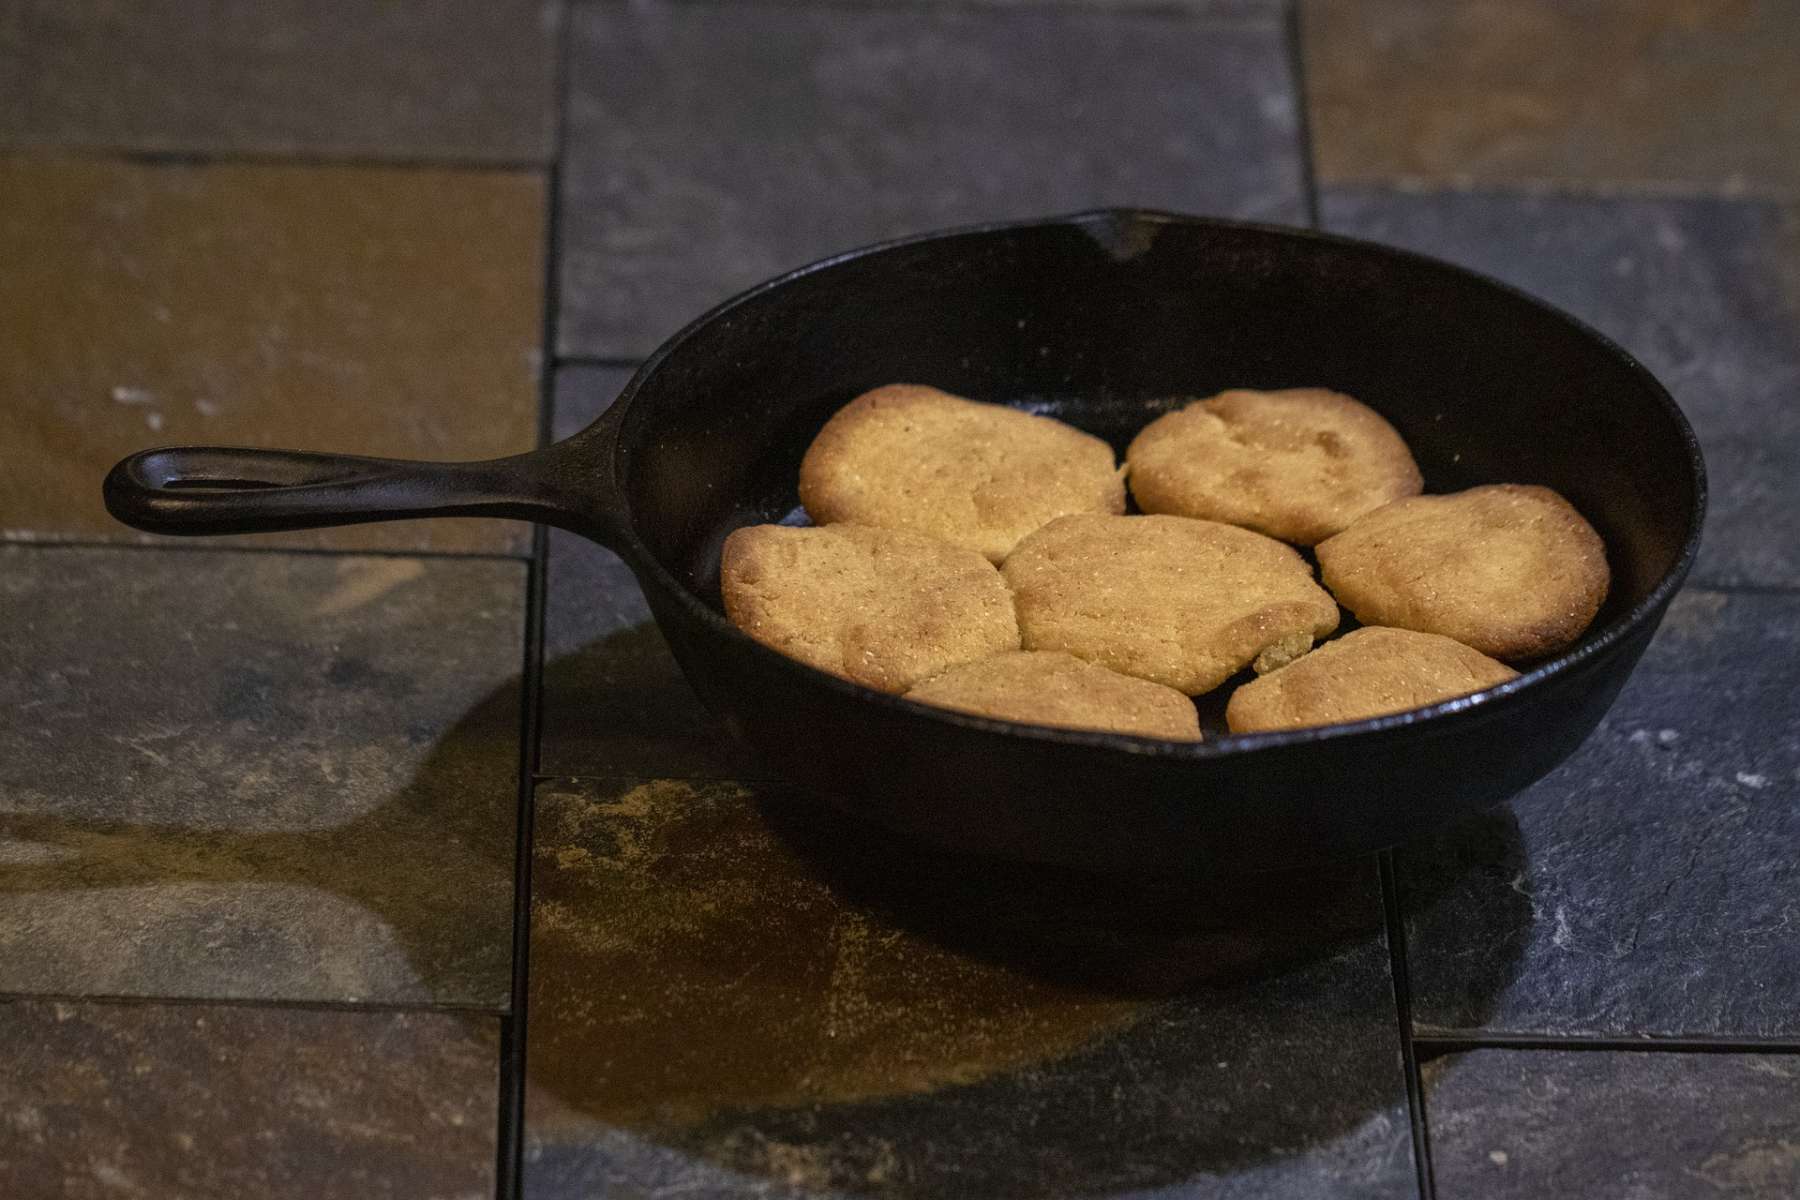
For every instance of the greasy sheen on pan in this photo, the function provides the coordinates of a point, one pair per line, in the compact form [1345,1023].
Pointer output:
[977,475]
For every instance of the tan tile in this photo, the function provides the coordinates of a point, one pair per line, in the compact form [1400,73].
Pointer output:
[1687,94]
[386,311]
[469,80]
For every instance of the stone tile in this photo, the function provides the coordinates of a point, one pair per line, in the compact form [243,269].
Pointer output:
[582,392]
[107,1100]
[735,993]
[375,311]
[1511,1123]
[614,702]
[711,146]
[1706,293]
[258,775]
[451,79]
[1659,863]
[1687,94]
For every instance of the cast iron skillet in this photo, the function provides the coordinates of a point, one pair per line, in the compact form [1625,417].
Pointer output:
[1098,319]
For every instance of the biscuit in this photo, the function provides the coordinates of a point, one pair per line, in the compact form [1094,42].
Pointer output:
[1299,465]
[1042,687]
[978,475]
[1366,673]
[1510,569]
[879,607]
[1177,601]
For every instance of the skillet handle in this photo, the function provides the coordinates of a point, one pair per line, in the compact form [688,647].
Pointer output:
[195,490]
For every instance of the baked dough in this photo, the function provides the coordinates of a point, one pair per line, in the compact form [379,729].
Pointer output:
[880,607]
[1180,602]
[1298,465]
[977,475]
[1510,569]
[1044,687]
[1366,673]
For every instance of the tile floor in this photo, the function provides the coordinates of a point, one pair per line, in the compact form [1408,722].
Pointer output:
[261,798]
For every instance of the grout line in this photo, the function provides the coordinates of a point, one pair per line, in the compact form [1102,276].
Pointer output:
[1309,176]
[273,158]
[210,546]
[742,779]
[371,1007]
[1409,1059]
[510,1133]
[1246,13]
[1563,189]
[598,360]
[510,1128]
[1437,1045]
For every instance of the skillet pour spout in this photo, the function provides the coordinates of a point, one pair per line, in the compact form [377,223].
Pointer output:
[1103,320]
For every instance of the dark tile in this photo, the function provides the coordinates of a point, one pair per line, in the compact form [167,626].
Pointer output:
[614,702]
[1683,93]
[452,79]
[736,993]
[258,775]
[1659,863]
[1592,1123]
[711,146]
[109,1100]
[1706,293]
[581,394]
[391,312]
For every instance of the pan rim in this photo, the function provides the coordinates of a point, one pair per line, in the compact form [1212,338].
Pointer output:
[1434,718]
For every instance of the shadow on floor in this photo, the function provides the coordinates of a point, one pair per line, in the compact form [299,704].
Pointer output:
[735,985]
[434,863]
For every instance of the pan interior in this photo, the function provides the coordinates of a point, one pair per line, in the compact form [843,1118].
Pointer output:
[1107,322]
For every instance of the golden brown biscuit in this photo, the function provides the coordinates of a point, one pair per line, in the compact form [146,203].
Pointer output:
[1366,673]
[1180,602]
[1042,687]
[1510,569]
[880,607]
[1299,464]
[979,475]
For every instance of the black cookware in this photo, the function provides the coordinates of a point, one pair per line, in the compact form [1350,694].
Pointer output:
[1099,319]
